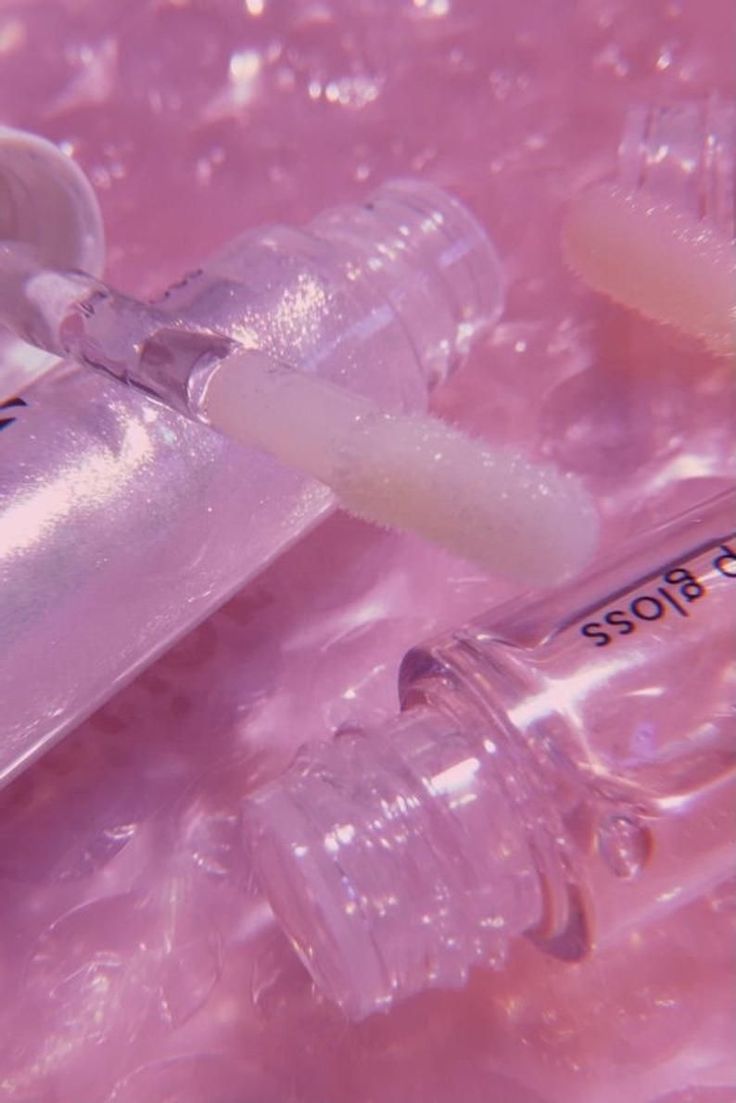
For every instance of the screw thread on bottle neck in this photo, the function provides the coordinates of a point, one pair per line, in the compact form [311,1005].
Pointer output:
[683,153]
[432,261]
[395,861]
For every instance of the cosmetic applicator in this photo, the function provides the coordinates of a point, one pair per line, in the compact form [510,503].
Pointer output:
[659,239]
[406,471]
[657,260]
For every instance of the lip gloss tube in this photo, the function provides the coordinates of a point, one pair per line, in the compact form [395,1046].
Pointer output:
[562,769]
[683,153]
[122,524]
[659,239]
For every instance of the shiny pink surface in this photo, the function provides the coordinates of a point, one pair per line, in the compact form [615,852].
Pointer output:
[137,962]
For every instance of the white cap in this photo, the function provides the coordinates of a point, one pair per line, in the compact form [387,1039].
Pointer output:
[45,201]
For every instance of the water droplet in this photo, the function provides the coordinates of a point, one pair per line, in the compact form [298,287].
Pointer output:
[624,844]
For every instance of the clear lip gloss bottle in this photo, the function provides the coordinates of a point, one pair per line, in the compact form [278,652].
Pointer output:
[123,524]
[683,153]
[562,769]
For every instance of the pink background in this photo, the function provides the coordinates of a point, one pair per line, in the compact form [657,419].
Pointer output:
[137,962]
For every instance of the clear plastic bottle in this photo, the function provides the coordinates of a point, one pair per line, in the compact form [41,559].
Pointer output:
[683,154]
[562,768]
[122,524]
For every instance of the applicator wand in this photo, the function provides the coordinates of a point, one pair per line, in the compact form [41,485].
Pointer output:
[659,239]
[407,471]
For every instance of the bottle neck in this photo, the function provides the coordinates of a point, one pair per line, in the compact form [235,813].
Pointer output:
[397,860]
[522,784]
[683,154]
[428,258]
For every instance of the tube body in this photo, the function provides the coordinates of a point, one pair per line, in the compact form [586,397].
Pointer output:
[562,769]
[123,524]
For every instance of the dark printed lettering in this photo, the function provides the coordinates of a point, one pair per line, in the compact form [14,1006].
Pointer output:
[670,598]
[593,632]
[617,618]
[679,588]
[726,563]
[647,608]
[10,404]
[690,588]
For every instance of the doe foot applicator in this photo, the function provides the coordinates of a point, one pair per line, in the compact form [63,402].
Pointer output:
[122,523]
[406,471]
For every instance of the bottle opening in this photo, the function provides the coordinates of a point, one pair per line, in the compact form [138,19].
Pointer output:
[433,261]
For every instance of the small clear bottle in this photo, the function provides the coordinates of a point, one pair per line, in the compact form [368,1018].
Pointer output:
[562,768]
[122,524]
[683,154]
